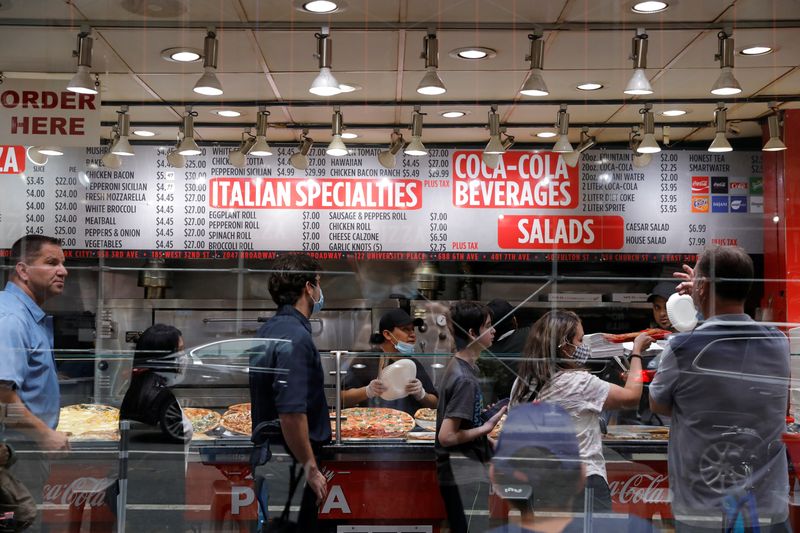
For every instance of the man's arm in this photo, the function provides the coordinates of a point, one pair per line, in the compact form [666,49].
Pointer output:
[294,427]
[451,434]
[20,418]
[663,385]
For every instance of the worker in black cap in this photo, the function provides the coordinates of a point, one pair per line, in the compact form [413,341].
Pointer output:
[500,362]
[396,338]
[658,297]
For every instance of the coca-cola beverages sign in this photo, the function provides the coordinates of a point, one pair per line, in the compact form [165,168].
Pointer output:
[640,488]
[81,492]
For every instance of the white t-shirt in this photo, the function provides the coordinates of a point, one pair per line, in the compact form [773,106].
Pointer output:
[582,395]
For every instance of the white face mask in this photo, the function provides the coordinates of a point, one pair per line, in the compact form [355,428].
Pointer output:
[403,347]
[582,352]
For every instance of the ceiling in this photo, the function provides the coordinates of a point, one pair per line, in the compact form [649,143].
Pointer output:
[266,56]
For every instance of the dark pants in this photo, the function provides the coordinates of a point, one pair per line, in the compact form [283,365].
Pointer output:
[461,491]
[307,517]
[601,495]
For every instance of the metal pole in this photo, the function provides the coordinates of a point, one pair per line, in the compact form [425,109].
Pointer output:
[122,497]
[338,402]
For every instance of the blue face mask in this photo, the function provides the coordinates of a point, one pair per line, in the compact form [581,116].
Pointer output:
[404,348]
[318,305]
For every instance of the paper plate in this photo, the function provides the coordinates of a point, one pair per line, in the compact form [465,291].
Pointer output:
[396,376]
[681,312]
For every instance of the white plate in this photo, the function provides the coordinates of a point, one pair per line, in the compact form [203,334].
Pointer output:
[628,346]
[681,312]
[396,377]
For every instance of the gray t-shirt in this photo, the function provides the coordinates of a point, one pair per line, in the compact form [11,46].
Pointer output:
[582,395]
[727,383]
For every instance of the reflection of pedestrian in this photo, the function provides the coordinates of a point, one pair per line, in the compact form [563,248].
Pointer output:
[553,370]
[362,384]
[462,443]
[28,380]
[538,469]
[297,397]
[14,496]
[501,361]
[725,385]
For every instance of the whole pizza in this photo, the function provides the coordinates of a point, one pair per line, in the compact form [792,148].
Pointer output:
[238,421]
[95,420]
[202,419]
[374,423]
[426,413]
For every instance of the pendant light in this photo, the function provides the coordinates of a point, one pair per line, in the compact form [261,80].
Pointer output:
[535,85]
[324,84]
[82,82]
[388,158]
[720,142]
[122,145]
[587,142]
[299,159]
[431,84]
[726,84]
[261,148]
[562,145]
[188,146]
[336,148]
[493,160]
[649,145]
[209,84]
[774,144]
[639,84]
[495,145]
[415,147]
[238,156]
[634,139]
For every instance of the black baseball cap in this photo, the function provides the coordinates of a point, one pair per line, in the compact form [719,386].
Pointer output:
[397,318]
[665,289]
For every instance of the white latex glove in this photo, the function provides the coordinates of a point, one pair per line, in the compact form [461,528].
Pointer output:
[375,388]
[415,389]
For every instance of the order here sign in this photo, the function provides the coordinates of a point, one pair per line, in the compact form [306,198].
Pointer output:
[44,112]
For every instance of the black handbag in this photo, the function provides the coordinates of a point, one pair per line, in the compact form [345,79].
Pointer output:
[281,523]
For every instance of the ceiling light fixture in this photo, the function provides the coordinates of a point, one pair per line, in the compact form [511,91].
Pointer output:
[336,148]
[35,156]
[261,148]
[453,114]
[209,84]
[324,84]
[82,82]
[589,86]
[493,160]
[756,50]
[587,141]
[110,159]
[720,142]
[649,7]
[431,84]
[634,139]
[299,159]
[320,6]
[726,84]
[122,146]
[535,85]
[673,113]
[562,145]
[415,147]
[227,113]
[387,158]
[144,133]
[50,150]
[181,55]
[639,84]
[238,156]
[649,144]
[188,146]
[774,144]
[495,145]
[472,53]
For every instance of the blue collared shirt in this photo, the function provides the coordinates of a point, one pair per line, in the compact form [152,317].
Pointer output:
[26,353]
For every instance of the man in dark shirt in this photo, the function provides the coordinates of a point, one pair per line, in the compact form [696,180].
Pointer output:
[460,430]
[286,379]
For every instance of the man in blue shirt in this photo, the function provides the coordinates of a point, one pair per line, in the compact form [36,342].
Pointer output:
[28,381]
[286,379]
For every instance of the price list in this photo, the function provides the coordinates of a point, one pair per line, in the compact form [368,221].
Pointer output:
[446,205]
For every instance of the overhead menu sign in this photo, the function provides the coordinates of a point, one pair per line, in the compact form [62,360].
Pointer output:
[446,206]
[44,112]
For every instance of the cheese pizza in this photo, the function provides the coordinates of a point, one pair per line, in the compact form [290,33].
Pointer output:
[88,418]
[374,423]
[238,421]
[426,414]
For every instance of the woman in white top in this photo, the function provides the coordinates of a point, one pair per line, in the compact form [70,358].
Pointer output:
[552,370]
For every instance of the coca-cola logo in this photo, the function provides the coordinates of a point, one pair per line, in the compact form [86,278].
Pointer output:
[640,488]
[80,493]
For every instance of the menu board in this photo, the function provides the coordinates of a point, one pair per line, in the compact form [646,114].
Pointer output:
[445,206]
